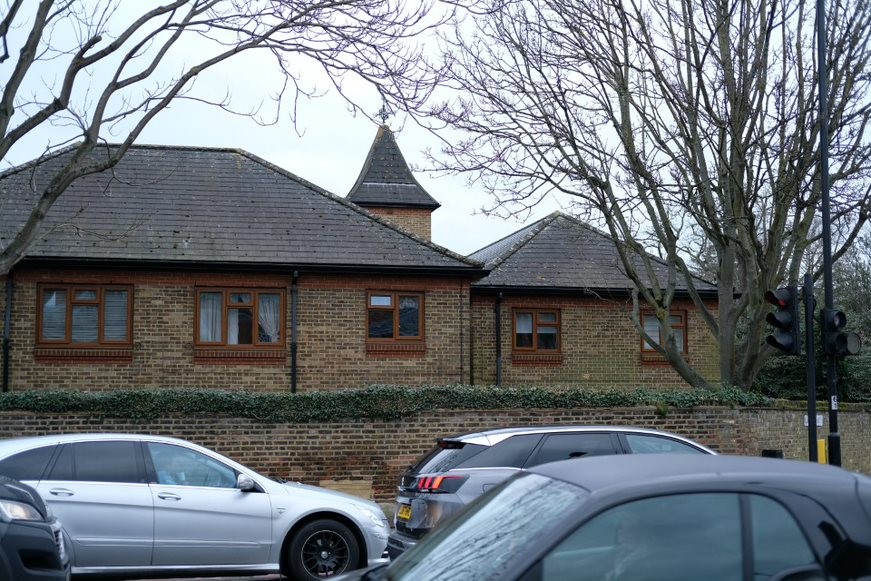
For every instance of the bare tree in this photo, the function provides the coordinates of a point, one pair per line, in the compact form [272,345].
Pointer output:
[689,128]
[82,67]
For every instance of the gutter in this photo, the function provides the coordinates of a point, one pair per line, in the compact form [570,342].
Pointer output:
[609,293]
[470,271]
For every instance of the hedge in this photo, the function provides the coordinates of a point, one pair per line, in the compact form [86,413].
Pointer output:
[383,402]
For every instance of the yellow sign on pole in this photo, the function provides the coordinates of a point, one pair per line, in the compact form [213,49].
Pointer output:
[822,451]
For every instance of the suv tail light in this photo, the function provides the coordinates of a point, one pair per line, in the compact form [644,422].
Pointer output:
[438,483]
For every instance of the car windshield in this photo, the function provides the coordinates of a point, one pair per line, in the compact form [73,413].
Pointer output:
[484,541]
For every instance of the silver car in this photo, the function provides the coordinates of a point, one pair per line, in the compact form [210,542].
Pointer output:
[138,504]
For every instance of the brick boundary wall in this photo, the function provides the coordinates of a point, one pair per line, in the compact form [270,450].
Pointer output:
[366,457]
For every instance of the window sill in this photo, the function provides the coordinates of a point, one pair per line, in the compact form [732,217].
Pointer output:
[554,359]
[222,356]
[83,354]
[396,349]
[654,359]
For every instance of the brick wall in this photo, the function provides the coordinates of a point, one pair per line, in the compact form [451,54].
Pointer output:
[370,455]
[331,341]
[599,345]
[414,220]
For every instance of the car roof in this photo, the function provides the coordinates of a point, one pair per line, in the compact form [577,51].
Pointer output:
[12,445]
[845,493]
[608,472]
[496,435]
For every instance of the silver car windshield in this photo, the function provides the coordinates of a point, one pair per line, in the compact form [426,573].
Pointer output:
[483,542]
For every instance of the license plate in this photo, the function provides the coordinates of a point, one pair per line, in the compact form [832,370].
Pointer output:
[404,512]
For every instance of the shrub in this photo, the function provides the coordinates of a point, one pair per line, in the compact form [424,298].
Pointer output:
[375,402]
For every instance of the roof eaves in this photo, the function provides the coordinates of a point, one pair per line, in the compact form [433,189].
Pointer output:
[253,266]
[610,292]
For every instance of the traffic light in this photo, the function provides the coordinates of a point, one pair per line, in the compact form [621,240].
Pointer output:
[836,341]
[785,319]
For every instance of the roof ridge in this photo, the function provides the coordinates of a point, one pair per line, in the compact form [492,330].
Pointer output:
[534,230]
[368,161]
[623,243]
[37,160]
[67,148]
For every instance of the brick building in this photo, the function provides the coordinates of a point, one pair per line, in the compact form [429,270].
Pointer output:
[211,268]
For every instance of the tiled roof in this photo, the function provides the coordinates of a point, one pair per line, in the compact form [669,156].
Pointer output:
[559,252]
[386,179]
[179,204]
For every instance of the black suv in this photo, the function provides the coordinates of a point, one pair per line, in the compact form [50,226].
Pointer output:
[31,542]
[461,468]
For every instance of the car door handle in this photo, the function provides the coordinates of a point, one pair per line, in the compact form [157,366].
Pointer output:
[61,492]
[168,496]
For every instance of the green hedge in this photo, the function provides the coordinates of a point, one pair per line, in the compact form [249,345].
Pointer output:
[377,402]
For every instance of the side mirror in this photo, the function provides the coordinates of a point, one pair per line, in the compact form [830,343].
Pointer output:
[244,483]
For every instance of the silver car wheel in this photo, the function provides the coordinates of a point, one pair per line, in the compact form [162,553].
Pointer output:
[323,548]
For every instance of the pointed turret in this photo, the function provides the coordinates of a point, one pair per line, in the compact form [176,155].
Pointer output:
[387,188]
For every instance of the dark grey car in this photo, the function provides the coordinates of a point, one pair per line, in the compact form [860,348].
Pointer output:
[31,544]
[460,468]
[645,518]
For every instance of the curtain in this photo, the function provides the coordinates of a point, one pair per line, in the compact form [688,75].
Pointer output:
[269,318]
[409,317]
[233,327]
[211,307]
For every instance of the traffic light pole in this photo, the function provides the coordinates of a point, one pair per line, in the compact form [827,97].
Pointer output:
[834,438]
[810,304]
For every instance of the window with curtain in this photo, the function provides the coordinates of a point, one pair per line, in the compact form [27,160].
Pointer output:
[395,316]
[240,317]
[537,330]
[653,328]
[85,316]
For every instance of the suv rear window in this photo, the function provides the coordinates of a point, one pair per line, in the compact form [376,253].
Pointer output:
[511,452]
[446,457]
